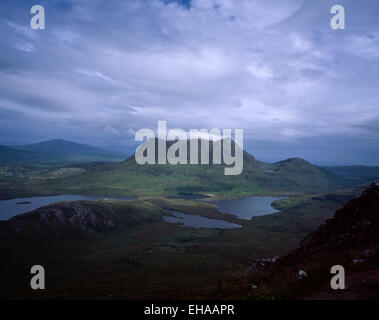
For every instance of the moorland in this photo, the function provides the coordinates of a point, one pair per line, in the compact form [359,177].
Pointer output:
[113,249]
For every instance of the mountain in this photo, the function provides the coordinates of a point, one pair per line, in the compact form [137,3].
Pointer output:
[14,156]
[55,152]
[349,239]
[128,177]
[61,146]
[358,174]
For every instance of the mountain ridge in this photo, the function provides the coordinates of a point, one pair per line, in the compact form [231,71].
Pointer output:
[55,152]
[129,178]
[59,146]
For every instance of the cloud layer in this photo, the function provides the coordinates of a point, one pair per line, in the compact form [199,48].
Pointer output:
[102,70]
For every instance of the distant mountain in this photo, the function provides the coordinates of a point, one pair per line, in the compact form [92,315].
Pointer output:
[358,174]
[55,152]
[61,146]
[127,177]
[350,239]
[14,156]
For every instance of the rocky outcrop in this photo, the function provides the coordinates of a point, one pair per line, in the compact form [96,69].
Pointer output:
[83,216]
[76,214]
[357,223]
[349,239]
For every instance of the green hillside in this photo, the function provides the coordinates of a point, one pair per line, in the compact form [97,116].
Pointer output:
[292,176]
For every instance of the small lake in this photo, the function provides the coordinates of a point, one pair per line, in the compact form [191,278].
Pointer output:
[249,207]
[245,208]
[10,208]
[196,221]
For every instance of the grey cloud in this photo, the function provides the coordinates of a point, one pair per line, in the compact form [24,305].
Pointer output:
[276,70]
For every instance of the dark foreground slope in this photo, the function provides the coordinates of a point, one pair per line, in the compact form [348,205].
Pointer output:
[350,239]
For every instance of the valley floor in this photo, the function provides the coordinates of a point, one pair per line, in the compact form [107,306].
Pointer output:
[149,259]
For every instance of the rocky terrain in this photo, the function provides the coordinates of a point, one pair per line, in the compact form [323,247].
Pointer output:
[82,216]
[114,249]
[350,239]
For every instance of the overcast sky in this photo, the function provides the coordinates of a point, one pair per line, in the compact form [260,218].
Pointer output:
[103,69]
